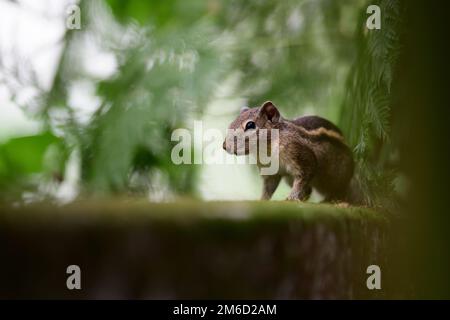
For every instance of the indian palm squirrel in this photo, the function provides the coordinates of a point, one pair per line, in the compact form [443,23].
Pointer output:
[312,152]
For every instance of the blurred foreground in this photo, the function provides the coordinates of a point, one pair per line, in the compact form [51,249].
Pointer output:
[194,250]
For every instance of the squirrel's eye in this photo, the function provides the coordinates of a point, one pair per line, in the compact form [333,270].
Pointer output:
[250,125]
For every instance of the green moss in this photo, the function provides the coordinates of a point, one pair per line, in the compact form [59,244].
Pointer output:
[191,249]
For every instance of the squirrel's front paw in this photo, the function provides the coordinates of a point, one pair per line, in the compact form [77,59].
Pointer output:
[300,194]
[292,198]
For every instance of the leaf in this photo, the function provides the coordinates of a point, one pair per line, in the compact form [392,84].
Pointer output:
[23,157]
[157,13]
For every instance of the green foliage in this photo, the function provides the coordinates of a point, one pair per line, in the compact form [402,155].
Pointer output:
[163,77]
[170,57]
[366,111]
[140,118]
[25,158]
[295,53]
[158,13]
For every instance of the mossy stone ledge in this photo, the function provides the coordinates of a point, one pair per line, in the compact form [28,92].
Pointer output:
[132,249]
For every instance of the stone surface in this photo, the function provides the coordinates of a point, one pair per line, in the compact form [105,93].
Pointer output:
[129,249]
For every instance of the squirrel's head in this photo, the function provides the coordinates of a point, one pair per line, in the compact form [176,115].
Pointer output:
[245,129]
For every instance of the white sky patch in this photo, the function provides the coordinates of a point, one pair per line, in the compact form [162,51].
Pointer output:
[30,39]
[83,100]
[32,34]
[69,189]
[96,62]
[295,20]
[13,121]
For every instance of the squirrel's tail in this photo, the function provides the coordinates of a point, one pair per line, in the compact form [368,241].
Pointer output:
[355,195]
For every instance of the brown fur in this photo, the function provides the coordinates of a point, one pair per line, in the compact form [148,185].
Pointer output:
[312,152]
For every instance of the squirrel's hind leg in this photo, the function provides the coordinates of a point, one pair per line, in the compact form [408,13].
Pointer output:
[270,185]
[301,190]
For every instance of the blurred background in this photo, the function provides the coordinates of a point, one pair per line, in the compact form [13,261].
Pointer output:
[90,111]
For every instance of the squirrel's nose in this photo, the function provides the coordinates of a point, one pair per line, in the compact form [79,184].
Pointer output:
[224,146]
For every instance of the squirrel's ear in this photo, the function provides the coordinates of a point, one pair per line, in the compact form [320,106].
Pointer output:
[244,109]
[270,111]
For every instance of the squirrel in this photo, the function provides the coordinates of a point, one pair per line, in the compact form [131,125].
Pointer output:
[312,153]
